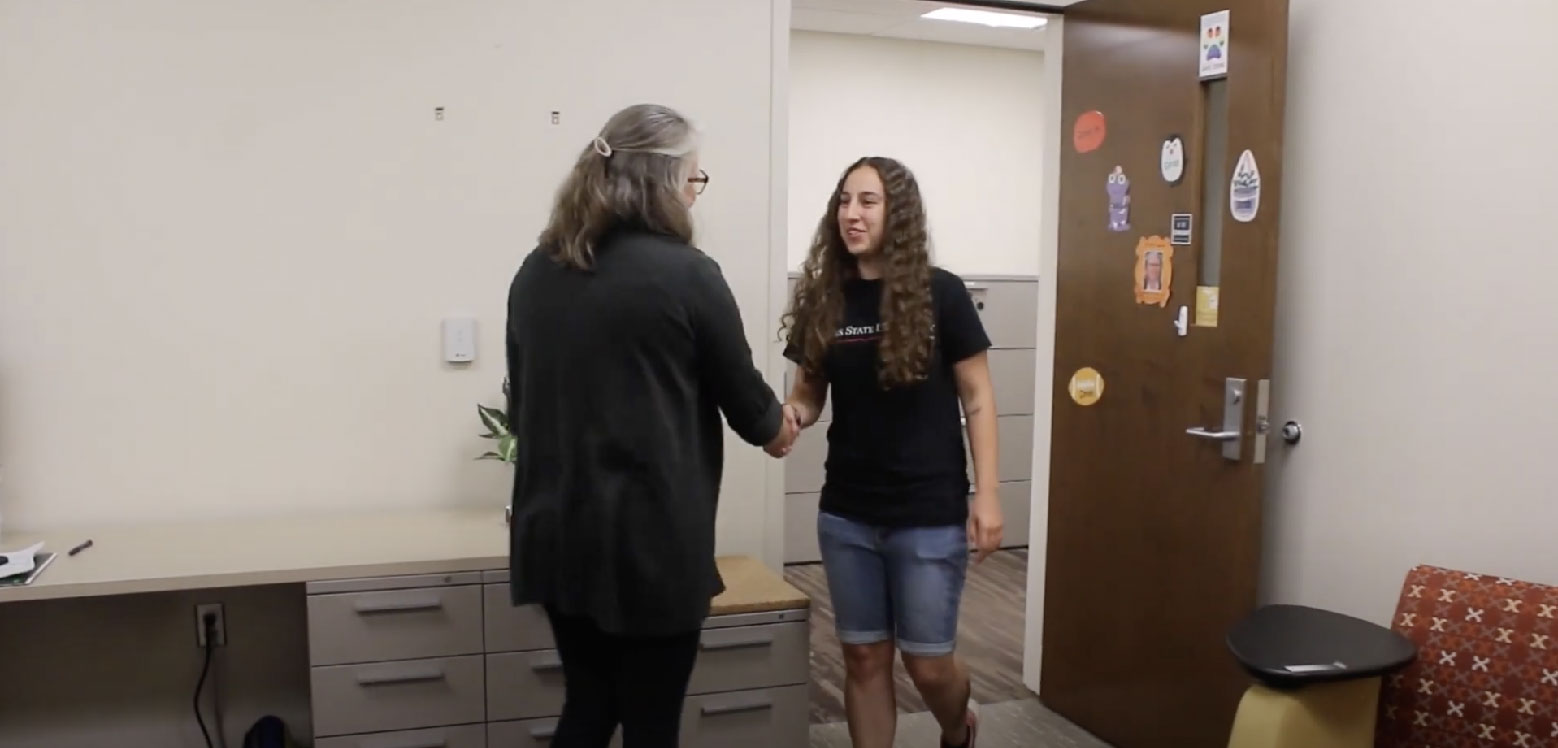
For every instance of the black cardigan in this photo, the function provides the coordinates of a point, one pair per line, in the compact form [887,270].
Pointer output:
[618,376]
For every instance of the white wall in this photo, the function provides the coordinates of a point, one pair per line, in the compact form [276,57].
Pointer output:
[228,233]
[231,231]
[1415,338]
[969,121]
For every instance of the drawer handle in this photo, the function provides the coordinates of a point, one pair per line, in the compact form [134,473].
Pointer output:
[751,704]
[547,663]
[438,742]
[402,605]
[761,639]
[421,675]
[543,733]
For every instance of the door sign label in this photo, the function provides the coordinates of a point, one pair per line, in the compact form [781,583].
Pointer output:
[1086,386]
[1172,161]
[1206,306]
[1119,189]
[1089,132]
[1244,189]
[1180,229]
[1214,45]
[1154,270]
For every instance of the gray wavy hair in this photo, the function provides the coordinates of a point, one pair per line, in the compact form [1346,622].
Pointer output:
[632,173]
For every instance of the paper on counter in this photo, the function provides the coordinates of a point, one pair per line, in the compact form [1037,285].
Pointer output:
[13,563]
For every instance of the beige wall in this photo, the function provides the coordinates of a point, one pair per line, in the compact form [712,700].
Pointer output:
[231,232]
[968,120]
[1414,342]
[228,234]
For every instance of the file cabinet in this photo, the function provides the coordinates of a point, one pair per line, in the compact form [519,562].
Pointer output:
[445,661]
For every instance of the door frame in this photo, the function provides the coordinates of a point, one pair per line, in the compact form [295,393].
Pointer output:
[1044,352]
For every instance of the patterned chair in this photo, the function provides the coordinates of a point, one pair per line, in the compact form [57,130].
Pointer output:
[1480,669]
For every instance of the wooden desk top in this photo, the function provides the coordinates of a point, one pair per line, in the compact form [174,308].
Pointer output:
[130,559]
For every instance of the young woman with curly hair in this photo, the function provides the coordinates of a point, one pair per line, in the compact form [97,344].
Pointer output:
[898,344]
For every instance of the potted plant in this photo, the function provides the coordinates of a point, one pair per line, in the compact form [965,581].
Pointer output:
[496,421]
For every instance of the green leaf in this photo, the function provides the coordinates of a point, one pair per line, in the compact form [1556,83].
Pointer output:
[495,420]
[506,447]
[490,456]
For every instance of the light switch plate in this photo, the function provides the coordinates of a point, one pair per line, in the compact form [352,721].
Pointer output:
[459,340]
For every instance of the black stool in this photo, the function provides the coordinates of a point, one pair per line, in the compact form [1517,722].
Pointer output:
[1317,677]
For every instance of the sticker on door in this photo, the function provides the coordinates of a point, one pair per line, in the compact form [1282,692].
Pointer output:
[1154,270]
[1089,132]
[1086,386]
[1244,189]
[1119,189]
[1172,160]
[1214,45]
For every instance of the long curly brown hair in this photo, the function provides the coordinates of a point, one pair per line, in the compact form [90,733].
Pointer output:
[817,307]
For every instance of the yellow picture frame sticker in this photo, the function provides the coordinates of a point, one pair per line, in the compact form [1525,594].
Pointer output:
[1086,386]
[1206,306]
[1154,270]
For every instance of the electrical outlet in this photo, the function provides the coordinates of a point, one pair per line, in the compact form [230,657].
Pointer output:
[219,626]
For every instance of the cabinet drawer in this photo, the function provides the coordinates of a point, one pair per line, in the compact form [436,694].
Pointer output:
[1009,310]
[800,528]
[408,695]
[746,657]
[1014,449]
[513,628]
[766,718]
[803,468]
[524,685]
[1011,374]
[394,624]
[1016,512]
[465,736]
[531,733]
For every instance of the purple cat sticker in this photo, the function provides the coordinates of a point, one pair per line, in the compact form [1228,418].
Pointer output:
[1119,189]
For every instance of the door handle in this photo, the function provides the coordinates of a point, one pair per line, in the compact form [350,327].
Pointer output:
[1216,436]
[1231,435]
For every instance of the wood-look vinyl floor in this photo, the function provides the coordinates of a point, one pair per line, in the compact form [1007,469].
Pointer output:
[990,637]
[1013,724]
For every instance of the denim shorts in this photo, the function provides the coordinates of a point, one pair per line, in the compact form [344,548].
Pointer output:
[890,583]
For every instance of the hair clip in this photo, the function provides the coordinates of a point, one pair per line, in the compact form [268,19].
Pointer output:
[601,147]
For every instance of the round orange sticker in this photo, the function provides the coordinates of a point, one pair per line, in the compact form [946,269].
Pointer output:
[1088,134]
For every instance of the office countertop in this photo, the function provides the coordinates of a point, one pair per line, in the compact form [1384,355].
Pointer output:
[139,558]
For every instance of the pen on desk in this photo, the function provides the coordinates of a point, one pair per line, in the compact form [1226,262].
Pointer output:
[81,547]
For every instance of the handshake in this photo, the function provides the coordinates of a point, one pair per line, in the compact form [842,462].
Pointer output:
[789,430]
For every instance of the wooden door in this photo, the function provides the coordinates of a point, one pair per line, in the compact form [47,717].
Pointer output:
[1154,534]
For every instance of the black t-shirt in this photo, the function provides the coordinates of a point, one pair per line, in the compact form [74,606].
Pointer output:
[895,455]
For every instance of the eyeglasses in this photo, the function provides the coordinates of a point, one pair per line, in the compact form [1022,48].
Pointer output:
[700,182]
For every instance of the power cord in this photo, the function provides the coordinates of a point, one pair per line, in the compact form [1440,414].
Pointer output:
[209,622]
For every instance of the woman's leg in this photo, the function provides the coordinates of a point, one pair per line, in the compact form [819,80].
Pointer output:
[857,584]
[653,687]
[590,683]
[926,567]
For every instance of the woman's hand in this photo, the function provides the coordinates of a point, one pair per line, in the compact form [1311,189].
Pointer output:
[985,524]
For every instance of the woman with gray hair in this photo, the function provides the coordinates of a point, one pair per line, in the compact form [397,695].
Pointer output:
[625,346]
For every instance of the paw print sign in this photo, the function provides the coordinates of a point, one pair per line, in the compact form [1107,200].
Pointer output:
[1214,44]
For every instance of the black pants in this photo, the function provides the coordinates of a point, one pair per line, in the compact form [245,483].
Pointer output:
[639,683]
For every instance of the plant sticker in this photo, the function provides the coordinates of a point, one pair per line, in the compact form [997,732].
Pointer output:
[1154,270]
[1119,189]
[1088,133]
[1086,386]
[1244,189]
[1172,160]
[1214,45]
